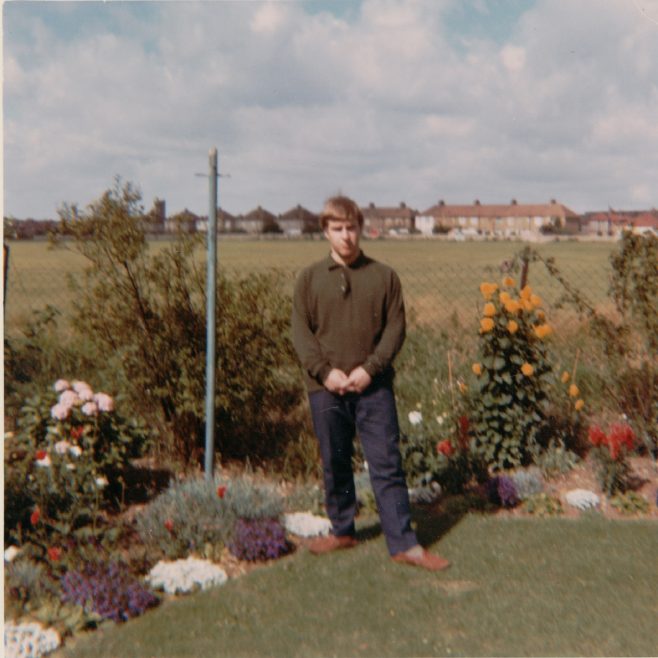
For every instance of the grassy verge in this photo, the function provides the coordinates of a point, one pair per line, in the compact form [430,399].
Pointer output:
[516,587]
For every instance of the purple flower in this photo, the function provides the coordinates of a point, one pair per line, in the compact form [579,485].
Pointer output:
[501,490]
[259,539]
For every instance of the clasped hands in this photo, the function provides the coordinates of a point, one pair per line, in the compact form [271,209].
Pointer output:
[356,382]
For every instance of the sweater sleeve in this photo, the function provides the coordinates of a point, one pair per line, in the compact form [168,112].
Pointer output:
[393,334]
[304,340]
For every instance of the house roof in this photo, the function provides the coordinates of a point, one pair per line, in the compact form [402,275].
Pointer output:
[514,209]
[260,214]
[298,213]
[623,217]
[373,211]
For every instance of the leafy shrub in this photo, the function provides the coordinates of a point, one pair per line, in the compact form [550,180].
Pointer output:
[543,504]
[145,312]
[305,497]
[512,370]
[259,539]
[556,459]
[502,491]
[527,483]
[107,590]
[252,500]
[28,584]
[610,451]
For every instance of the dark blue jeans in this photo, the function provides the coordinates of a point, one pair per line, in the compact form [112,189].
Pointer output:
[371,414]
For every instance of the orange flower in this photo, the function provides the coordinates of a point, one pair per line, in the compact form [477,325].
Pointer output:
[543,330]
[462,387]
[489,310]
[486,324]
[540,314]
[527,369]
[445,448]
[35,516]
[488,289]
[54,553]
[512,306]
[504,297]
[512,326]
[477,368]
[535,300]
[526,292]
[565,377]
[579,404]
[509,281]
[526,304]
[574,391]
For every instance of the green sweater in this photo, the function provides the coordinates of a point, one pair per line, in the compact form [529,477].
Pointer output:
[344,317]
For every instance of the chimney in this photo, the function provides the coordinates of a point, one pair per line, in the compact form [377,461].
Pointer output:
[476,202]
[403,204]
[442,202]
[553,202]
[514,202]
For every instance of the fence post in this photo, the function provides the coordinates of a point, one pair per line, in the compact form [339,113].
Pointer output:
[5,272]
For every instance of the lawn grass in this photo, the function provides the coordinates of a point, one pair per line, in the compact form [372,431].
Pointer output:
[517,587]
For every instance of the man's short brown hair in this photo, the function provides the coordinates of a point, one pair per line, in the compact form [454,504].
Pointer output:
[340,207]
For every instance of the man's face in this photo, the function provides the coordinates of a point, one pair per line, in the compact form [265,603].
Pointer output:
[343,236]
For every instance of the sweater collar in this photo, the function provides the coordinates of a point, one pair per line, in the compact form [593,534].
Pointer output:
[358,262]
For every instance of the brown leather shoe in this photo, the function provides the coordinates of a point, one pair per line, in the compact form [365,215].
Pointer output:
[331,543]
[425,560]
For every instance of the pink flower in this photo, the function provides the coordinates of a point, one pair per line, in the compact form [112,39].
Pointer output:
[69,398]
[90,409]
[61,385]
[86,394]
[104,402]
[79,386]
[60,411]
[62,447]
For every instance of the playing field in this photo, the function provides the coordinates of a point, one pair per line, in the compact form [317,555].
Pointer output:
[439,278]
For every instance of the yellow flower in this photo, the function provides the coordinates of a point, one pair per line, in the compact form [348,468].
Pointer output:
[509,282]
[526,292]
[512,326]
[565,377]
[488,289]
[535,300]
[543,330]
[477,368]
[527,369]
[574,391]
[512,306]
[486,324]
[489,310]
[579,405]
[504,297]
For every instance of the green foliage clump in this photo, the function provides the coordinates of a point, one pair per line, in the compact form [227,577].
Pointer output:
[196,515]
[144,311]
[528,482]
[543,504]
[556,459]
[630,503]
[512,372]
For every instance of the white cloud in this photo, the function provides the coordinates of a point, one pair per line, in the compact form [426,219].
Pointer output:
[378,104]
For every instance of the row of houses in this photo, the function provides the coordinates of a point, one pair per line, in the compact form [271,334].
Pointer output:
[460,221]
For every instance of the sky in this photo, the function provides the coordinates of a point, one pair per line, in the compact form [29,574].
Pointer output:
[387,101]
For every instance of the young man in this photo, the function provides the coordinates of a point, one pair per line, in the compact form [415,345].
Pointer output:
[348,325]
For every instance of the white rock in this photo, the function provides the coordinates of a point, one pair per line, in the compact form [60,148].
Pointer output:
[29,640]
[582,499]
[305,524]
[186,575]
[426,494]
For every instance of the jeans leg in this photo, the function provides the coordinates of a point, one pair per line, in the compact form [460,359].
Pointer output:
[377,425]
[333,423]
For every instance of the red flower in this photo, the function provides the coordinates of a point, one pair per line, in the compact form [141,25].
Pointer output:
[77,432]
[464,426]
[622,435]
[221,490]
[41,454]
[35,516]
[597,436]
[54,553]
[169,525]
[445,447]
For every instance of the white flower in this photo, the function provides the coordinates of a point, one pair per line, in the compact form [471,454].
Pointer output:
[415,417]
[60,411]
[90,409]
[440,420]
[101,482]
[44,463]
[61,385]
[30,640]
[582,499]
[69,398]
[62,447]
[305,524]
[70,467]
[85,394]
[104,402]
[11,553]
[76,451]
[185,575]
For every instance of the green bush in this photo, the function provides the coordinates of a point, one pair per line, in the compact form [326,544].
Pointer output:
[145,313]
